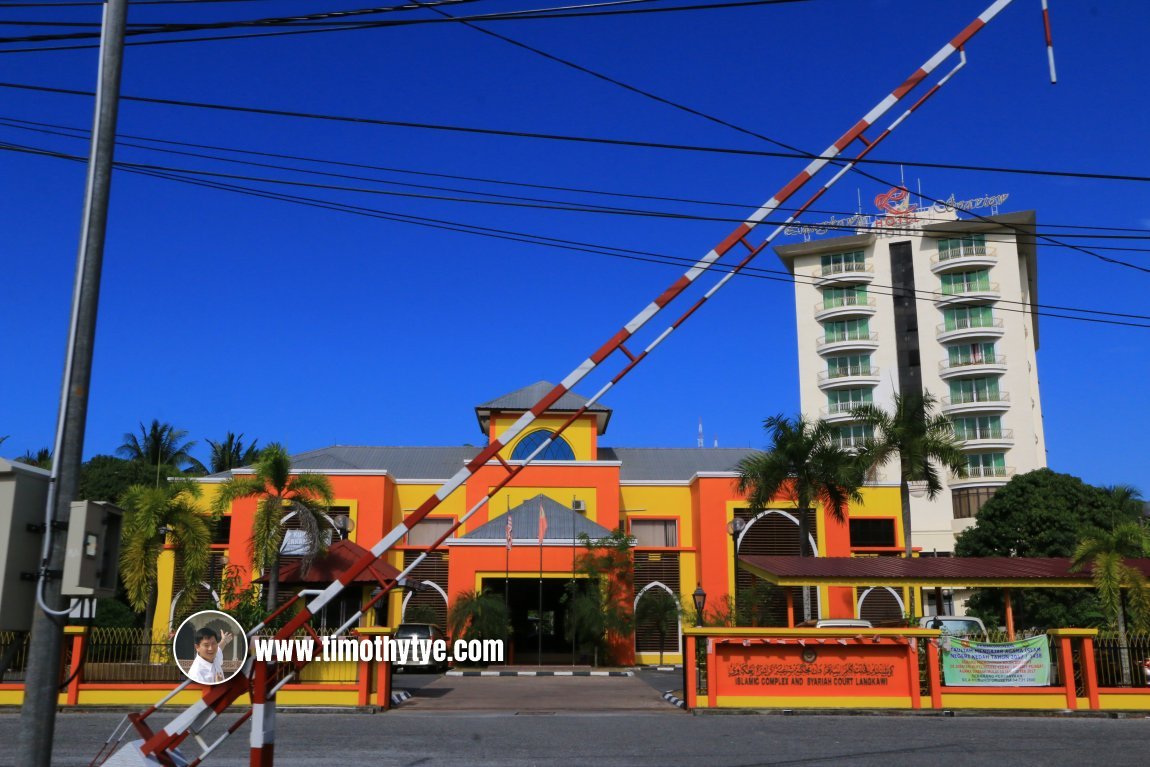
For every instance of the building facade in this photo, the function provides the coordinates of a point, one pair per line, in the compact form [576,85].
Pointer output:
[918,301]
[675,503]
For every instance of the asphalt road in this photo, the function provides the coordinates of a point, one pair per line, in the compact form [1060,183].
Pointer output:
[652,739]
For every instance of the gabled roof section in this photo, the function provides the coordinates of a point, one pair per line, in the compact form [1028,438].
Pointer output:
[522,400]
[435,463]
[673,464]
[944,572]
[563,524]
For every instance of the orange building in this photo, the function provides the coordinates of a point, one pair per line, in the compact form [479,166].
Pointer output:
[675,503]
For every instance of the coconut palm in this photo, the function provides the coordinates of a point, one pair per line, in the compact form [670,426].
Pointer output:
[160,445]
[153,514]
[231,453]
[922,440]
[806,466]
[42,458]
[279,492]
[1105,552]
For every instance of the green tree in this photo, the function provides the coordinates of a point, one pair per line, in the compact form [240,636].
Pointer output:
[158,446]
[279,492]
[922,440]
[107,478]
[153,514]
[1105,552]
[601,609]
[231,453]
[478,615]
[805,466]
[42,458]
[1040,514]
[658,610]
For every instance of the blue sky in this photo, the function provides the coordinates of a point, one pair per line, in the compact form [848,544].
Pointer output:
[222,312]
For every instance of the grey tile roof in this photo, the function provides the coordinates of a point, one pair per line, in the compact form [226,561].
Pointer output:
[525,398]
[668,464]
[639,464]
[561,520]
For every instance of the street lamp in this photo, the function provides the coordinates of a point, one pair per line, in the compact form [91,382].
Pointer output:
[734,527]
[699,597]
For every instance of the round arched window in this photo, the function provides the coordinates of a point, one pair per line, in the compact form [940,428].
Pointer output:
[558,450]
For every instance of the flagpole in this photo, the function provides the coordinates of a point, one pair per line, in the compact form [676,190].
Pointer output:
[507,560]
[539,657]
[539,623]
[571,602]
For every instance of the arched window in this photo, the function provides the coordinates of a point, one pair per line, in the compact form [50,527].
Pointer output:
[558,450]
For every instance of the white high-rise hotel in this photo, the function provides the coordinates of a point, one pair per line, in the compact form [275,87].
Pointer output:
[917,300]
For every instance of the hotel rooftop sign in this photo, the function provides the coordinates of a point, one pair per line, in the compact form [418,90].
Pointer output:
[897,215]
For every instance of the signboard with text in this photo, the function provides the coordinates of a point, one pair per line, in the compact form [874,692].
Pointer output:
[1024,663]
[816,670]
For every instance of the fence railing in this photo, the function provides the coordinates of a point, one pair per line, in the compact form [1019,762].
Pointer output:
[1122,664]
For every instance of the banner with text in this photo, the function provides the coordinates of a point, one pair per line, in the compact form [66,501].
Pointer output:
[1024,663]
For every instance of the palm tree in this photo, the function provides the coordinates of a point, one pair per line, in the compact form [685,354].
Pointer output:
[42,458]
[920,438]
[153,514]
[1127,502]
[806,466]
[232,454]
[1105,553]
[159,445]
[279,492]
[657,609]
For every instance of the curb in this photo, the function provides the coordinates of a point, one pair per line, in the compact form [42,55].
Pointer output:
[399,696]
[540,673]
[671,698]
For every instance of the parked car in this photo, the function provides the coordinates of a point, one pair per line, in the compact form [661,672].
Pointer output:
[836,623]
[955,625]
[426,631]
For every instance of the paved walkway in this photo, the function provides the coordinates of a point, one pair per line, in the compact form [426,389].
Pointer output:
[534,695]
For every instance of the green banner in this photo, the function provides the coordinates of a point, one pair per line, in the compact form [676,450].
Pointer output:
[1025,663]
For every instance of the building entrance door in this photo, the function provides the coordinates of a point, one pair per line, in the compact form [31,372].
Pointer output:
[539,627]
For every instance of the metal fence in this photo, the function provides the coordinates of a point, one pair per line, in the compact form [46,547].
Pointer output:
[1122,665]
[129,655]
[13,655]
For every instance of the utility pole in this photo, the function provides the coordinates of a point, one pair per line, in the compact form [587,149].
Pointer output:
[38,715]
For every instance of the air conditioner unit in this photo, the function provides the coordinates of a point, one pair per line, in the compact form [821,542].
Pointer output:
[579,506]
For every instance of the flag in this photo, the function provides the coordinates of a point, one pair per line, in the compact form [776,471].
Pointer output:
[509,530]
[542,523]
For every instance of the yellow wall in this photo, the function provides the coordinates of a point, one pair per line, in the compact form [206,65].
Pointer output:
[582,435]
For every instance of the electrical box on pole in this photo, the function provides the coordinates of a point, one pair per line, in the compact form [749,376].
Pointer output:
[92,558]
[23,493]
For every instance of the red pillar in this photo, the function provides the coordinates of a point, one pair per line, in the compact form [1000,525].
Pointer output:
[79,642]
[690,672]
[912,672]
[932,673]
[1090,672]
[1066,670]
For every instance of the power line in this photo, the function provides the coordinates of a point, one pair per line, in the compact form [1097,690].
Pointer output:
[556,12]
[1046,310]
[498,199]
[569,138]
[24,124]
[711,118]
